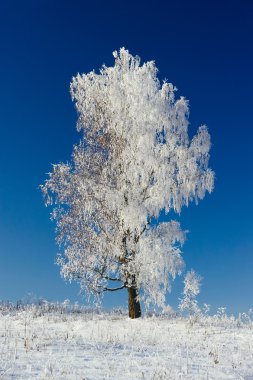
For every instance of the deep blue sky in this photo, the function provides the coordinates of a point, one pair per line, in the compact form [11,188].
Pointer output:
[204,48]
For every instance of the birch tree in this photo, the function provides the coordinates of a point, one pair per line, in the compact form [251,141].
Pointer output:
[134,160]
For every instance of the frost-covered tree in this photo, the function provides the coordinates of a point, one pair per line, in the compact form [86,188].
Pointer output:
[135,159]
[192,282]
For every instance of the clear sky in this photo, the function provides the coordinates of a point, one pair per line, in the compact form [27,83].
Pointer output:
[205,49]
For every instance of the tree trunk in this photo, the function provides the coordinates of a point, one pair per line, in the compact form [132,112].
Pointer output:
[134,307]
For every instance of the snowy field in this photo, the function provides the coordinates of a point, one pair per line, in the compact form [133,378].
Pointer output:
[49,342]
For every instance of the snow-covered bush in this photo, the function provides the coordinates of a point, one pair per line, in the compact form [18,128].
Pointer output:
[191,289]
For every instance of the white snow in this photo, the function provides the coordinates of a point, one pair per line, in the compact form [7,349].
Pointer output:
[36,343]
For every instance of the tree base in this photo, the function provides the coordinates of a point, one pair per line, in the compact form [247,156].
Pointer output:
[134,307]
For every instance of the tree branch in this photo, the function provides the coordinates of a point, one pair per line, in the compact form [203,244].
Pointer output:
[144,191]
[113,279]
[114,289]
[107,277]
[137,238]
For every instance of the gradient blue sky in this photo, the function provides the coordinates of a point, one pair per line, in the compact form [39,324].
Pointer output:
[205,49]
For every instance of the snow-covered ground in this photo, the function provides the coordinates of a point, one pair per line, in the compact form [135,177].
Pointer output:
[40,343]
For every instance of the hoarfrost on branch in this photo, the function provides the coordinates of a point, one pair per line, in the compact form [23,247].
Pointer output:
[192,284]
